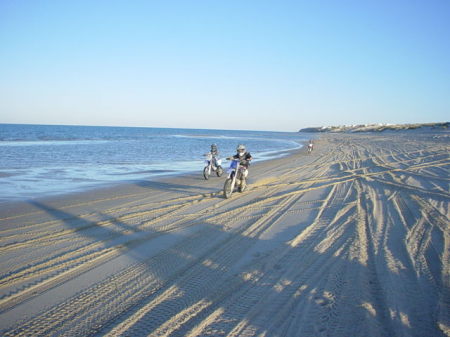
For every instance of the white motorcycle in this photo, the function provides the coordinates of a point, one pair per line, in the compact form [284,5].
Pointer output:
[236,177]
[212,166]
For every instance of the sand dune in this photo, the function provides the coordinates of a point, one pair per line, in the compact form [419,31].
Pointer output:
[351,240]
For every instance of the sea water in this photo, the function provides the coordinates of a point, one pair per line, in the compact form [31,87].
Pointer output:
[37,160]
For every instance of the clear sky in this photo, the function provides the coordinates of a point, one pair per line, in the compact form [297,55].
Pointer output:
[260,65]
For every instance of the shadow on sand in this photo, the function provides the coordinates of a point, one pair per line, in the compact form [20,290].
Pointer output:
[212,281]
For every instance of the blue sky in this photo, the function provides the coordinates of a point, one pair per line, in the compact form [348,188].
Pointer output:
[261,65]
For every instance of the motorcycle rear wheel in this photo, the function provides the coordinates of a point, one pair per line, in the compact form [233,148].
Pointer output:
[219,171]
[227,188]
[243,186]
[206,172]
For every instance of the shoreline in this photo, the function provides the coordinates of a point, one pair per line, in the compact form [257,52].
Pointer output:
[164,175]
[49,174]
[356,232]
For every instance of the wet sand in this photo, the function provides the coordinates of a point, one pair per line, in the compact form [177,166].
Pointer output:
[351,240]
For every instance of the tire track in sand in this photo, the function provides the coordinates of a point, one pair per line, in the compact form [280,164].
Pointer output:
[51,321]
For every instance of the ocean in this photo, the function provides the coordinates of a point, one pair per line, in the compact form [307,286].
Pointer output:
[43,160]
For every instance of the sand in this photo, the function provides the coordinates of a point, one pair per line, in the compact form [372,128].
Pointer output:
[351,240]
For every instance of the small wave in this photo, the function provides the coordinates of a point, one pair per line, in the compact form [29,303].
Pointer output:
[266,155]
[241,139]
[7,174]
[204,137]
[150,172]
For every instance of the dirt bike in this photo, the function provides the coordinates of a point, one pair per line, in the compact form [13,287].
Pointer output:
[236,177]
[210,167]
[310,148]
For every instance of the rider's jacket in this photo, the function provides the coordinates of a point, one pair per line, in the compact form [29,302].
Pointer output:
[214,157]
[244,159]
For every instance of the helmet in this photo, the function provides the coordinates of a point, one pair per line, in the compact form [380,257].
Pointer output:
[241,149]
[213,147]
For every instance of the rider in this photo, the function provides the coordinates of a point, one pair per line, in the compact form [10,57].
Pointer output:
[244,158]
[310,145]
[214,152]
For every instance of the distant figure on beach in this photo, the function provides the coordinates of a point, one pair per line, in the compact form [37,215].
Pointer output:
[213,163]
[244,158]
[310,146]
[214,152]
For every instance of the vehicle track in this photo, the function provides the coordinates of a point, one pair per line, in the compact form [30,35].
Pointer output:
[342,243]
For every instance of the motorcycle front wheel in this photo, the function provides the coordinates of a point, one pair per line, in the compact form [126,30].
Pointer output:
[206,172]
[227,188]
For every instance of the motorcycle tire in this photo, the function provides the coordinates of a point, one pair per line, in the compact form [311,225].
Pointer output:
[243,186]
[219,171]
[227,188]
[206,173]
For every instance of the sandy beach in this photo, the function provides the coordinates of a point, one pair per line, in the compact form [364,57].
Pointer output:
[351,240]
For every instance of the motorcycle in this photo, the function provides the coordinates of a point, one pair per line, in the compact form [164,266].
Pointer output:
[212,166]
[236,177]
[310,148]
